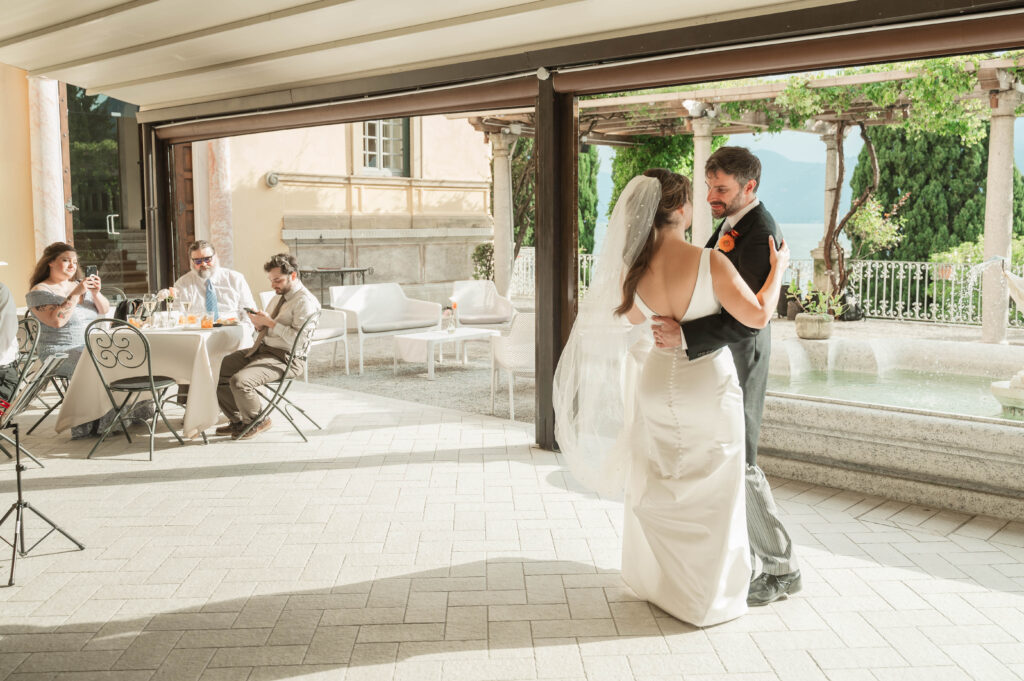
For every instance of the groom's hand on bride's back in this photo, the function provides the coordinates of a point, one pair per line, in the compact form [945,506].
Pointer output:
[667,333]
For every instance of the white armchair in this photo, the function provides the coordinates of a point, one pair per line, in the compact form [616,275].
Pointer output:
[332,330]
[515,354]
[479,305]
[383,310]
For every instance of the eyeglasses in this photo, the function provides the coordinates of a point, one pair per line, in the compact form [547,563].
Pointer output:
[203,261]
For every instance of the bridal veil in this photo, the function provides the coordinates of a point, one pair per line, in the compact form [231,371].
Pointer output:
[596,375]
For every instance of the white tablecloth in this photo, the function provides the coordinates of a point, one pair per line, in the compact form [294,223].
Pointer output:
[191,356]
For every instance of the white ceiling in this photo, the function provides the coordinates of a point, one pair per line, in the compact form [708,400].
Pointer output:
[157,53]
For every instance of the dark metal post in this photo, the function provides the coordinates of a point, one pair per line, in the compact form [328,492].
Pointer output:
[557,197]
[156,191]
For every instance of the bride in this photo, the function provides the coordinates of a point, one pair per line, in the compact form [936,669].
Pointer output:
[648,424]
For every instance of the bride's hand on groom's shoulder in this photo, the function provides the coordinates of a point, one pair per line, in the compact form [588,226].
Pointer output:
[667,333]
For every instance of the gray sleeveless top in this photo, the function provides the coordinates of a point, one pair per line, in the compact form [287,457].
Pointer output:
[69,338]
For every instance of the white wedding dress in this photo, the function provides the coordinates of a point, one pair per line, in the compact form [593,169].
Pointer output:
[685,543]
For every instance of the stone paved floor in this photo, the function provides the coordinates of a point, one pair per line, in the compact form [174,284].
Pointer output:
[411,542]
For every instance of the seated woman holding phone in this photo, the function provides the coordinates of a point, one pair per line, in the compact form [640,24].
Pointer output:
[65,303]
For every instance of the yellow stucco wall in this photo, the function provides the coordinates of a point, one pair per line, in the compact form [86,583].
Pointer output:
[442,149]
[17,237]
[453,150]
[256,209]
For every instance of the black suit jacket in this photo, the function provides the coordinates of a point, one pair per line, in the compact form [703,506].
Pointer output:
[750,256]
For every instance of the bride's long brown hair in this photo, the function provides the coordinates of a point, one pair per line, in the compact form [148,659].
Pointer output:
[676,191]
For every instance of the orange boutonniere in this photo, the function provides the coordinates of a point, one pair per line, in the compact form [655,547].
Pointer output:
[727,241]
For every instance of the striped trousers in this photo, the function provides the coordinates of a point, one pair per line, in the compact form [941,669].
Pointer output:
[769,540]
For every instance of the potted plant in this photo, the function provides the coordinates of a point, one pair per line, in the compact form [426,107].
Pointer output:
[793,300]
[819,311]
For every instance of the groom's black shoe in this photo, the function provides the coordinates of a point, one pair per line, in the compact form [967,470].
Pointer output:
[770,588]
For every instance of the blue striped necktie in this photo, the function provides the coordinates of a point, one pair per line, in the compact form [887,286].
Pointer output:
[211,300]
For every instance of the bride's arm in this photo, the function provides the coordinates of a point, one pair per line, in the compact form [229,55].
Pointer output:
[736,297]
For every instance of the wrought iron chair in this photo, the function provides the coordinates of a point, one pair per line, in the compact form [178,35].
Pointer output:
[113,294]
[274,392]
[28,342]
[28,349]
[37,377]
[114,344]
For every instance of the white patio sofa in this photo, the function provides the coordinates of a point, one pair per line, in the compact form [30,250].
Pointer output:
[383,310]
[480,305]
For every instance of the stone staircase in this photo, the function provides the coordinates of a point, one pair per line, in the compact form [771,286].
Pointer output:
[121,258]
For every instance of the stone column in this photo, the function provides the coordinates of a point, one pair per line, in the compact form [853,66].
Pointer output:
[821,278]
[47,163]
[504,230]
[701,230]
[222,234]
[998,218]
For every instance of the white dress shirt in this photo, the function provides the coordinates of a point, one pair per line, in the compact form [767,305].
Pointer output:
[730,221]
[8,327]
[232,291]
[299,304]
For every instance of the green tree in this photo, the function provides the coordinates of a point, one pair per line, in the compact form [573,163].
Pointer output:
[589,164]
[92,141]
[674,152]
[946,181]
[524,193]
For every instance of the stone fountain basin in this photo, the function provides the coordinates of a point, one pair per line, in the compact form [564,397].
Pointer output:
[971,464]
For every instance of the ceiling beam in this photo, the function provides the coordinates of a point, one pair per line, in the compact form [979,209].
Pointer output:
[714,34]
[73,22]
[412,29]
[190,35]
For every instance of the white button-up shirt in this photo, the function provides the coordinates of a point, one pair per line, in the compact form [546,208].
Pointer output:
[8,327]
[232,291]
[730,221]
[299,304]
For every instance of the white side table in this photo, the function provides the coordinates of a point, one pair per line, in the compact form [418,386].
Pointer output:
[426,341]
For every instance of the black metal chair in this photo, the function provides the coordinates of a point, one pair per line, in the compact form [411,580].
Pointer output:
[28,342]
[274,392]
[28,350]
[113,294]
[114,344]
[37,376]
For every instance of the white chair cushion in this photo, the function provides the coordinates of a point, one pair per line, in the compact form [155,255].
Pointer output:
[326,334]
[483,318]
[398,325]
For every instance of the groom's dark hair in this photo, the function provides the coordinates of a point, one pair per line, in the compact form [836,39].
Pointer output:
[735,161]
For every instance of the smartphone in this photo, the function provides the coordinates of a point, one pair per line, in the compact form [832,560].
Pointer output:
[91,270]
[250,310]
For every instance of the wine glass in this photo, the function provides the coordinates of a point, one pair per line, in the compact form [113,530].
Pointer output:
[149,304]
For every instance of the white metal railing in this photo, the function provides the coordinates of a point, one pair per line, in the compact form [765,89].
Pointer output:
[524,273]
[946,293]
[949,293]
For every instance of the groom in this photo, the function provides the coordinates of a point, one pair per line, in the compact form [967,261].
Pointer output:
[733,175]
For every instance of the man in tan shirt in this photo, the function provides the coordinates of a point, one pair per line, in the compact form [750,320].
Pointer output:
[243,371]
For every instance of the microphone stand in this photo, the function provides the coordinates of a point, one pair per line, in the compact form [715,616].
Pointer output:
[18,509]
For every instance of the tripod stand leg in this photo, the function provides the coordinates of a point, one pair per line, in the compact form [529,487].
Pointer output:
[23,451]
[53,525]
[14,543]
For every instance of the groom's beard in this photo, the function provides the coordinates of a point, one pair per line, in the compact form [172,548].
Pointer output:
[723,210]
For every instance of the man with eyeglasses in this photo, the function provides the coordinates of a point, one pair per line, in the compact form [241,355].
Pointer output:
[244,371]
[220,292]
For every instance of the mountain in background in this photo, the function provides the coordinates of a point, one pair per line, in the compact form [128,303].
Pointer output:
[794,191]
